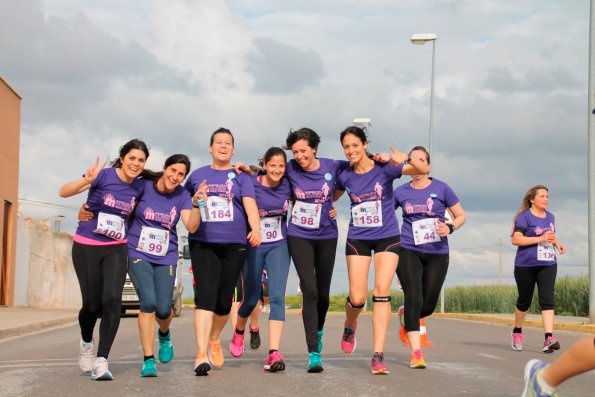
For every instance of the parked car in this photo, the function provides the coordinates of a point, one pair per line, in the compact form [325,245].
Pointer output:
[130,297]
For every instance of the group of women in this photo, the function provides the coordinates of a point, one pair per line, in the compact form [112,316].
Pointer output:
[240,223]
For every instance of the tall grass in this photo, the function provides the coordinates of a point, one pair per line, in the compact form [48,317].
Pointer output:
[571,295]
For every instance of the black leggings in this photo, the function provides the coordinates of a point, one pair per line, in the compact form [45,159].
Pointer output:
[101,272]
[527,277]
[216,268]
[421,276]
[314,261]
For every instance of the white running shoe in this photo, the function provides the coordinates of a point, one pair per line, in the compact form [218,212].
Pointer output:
[100,370]
[86,356]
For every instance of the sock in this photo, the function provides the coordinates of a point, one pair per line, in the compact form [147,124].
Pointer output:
[544,385]
[145,358]
[253,329]
[547,335]
[516,330]
[163,335]
[87,344]
[272,351]
[241,332]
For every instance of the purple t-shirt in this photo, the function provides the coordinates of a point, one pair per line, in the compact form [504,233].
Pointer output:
[224,219]
[533,226]
[272,203]
[419,205]
[372,211]
[154,219]
[313,195]
[111,200]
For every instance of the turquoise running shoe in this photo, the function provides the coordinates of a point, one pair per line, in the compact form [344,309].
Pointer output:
[166,348]
[149,368]
[314,363]
[320,333]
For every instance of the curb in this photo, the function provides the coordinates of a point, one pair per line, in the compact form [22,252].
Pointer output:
[579,327]
[42,325]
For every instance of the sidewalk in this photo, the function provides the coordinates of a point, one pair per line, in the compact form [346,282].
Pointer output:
[16,321]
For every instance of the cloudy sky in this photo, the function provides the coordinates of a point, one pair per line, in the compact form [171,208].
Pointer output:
[510,110]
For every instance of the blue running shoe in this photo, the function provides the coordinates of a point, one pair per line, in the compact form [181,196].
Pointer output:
[535,386]
[314,363]
[320,333]
[149,368]
[166,348]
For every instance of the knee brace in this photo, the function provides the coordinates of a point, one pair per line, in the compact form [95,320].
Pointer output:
[354,306]
[381,298]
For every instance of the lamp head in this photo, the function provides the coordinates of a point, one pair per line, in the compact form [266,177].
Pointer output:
[422,38]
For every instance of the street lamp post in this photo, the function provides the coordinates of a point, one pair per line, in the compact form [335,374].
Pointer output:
[421,39]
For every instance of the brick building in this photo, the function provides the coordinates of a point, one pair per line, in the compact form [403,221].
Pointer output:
[10,121]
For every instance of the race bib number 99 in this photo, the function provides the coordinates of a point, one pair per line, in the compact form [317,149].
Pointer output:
[153,241]
[111,226]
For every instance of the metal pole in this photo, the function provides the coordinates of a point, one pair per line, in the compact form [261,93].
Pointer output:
[432,97]
[591,172]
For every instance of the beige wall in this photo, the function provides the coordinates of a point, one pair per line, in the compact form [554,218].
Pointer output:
[10,116]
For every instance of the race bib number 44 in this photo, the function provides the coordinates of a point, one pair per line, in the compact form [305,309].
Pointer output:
[306,215]
[153,241]
[368,214]
[424,231]
[111,226]
[546,252]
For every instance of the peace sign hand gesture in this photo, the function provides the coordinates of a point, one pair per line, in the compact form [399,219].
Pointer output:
[93,171]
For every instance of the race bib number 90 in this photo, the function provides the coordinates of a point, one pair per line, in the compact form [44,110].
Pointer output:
[424,231]
[270,229]
[111,226]
[306,215]
[153,241]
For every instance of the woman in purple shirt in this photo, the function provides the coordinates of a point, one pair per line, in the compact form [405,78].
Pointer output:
[272,198]
[153,252]
[372,228]
[312,232]
[424,247]
[534,234]
[218,248]
[99,249]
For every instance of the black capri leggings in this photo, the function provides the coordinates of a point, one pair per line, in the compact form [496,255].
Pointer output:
[216,268]
[314,261]
[421,276]
[101,272]
[527,277]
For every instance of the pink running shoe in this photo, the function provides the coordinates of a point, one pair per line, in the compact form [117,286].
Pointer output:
[236,344]
[274,362]
[550,345]
[378,367]
[517,341]
[348,341]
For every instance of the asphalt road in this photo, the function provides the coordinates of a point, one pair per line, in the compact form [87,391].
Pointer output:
[468,358]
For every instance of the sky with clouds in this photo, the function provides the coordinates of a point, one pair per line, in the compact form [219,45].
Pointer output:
[510,105]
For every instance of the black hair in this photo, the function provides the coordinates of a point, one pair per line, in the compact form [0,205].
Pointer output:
[173,159]
[358,132]
[221,130]
[303,133]
[272,151]
[126,148]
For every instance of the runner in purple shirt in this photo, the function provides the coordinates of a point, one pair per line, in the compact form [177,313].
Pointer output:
[218,248]
[372,228]
[534,234]
[312,232]
[153,252]
[424,248]
[99,249]
[272,197]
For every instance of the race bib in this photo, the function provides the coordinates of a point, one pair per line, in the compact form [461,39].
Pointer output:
[270,229]
[111,226]
[546,252]
[424,231]
[218,209]
[153,241]
[306,215]
[368,214]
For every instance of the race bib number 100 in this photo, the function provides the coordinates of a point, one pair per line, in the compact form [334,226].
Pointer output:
[111,226]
